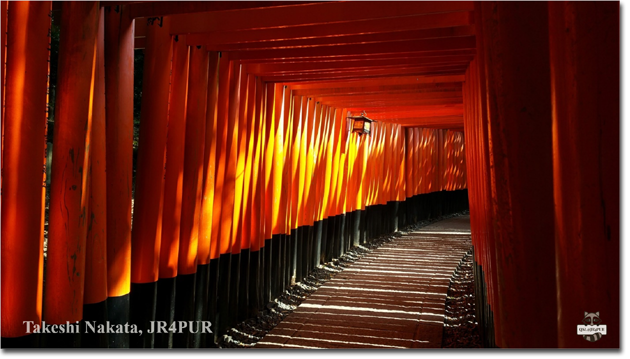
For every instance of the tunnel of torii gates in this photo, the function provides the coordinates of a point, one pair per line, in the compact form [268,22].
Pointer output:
[249,175]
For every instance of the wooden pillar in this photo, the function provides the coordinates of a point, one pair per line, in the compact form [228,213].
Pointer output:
[267,183]
[193,159]
[207,251]
[268,148]
[239,160]
[219,247]
[248,130]
[516,51]
[308,166]
[192,190]
[210,164]
[409,161]
[72,135]
[253,212]
[147,226]
[173,187]
[23,155]
[257,181]
[4,9]
[95,296]
[65,268]
[228,199]
[292,170]
[238,274]
[584,43]
[119,146]
[207,262]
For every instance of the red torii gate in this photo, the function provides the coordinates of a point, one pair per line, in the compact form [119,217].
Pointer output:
[262,89]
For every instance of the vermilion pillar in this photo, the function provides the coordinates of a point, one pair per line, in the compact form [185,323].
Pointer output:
[486,236]
[206,252]
[240,239]
[246,210]
[241,156]
[147,226]
[4,6]
[251,196]
[119,128]
[173,187]
[225,74]
[193,160]
[519,110]
[228,233]
[584,43]
[210,163]
[192,189]
[23,155]
[219,248]
[255,194]
[229,187]
[173,179]
[95,296]
[65,269]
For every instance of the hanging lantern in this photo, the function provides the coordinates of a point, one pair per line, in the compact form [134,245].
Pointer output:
[361,124]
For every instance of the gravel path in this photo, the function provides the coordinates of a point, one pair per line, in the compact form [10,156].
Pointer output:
[460,325]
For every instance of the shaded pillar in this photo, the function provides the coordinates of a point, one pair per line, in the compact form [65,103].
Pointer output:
[147,221]
[22,178]
[516,51]
[173,187]
[119,147]
[207,264]
[192,190]
[584,39]
[65,267]
[95,296]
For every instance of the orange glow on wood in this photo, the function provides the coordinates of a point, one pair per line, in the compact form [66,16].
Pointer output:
[65,268]
[119,122]
[96,243]
[193,160]
[174,170]
[23,152]
[146,235]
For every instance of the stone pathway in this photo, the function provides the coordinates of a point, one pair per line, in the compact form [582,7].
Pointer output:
[392,298]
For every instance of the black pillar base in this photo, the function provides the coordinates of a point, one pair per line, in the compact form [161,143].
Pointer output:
[243,292]
[356,227]
[267,271]
[276,265]
[118,313]
[223,300]
[27,341]
[317,244]
[235,263]
[95,314]
[308,255]
[253,284]
[340,240]
[286,260]
[213,294]
[62,340]
[295,245]
[330,238]
[142,313]
[201,304]
[165,310]
[184,307]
